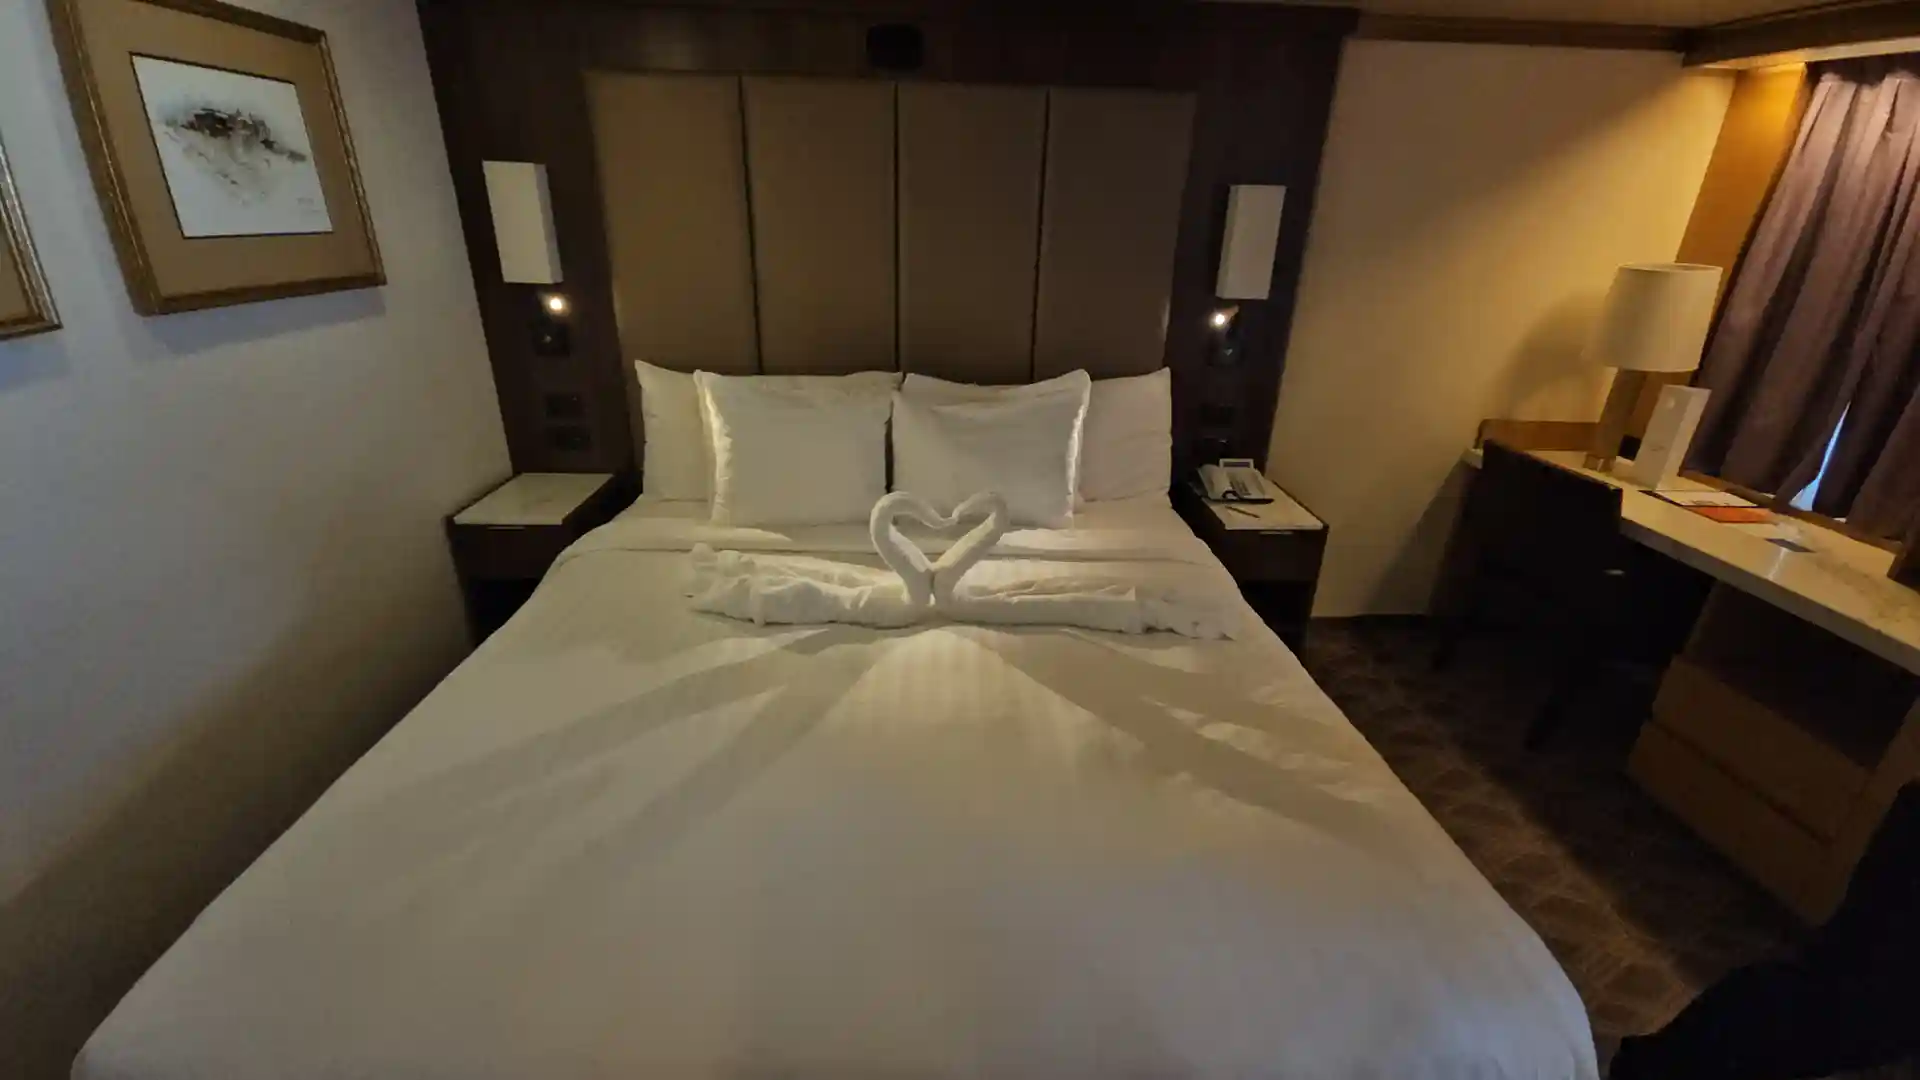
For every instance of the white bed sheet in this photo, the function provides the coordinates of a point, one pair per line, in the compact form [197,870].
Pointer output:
[626,840]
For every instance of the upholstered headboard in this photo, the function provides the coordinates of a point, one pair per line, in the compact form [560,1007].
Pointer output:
[984,233]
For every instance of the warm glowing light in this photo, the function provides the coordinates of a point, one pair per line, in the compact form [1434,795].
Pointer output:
[556,304]
[1220,320]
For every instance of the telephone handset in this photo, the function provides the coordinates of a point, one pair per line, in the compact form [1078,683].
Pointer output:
[1234,480]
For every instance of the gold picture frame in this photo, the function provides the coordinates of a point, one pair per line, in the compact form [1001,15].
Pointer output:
[26,304]
[219,146]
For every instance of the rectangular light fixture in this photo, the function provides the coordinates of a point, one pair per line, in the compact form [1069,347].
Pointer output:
[1251,238]
[523,222]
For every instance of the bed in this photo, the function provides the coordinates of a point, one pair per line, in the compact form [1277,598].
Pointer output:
[627,840]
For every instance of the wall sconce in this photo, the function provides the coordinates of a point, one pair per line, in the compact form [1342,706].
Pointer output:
[1223,328]
[1251,239]
[522,207]
[552,336]
[523,222]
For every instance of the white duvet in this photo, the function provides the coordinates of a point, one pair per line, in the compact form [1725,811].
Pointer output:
[627,840]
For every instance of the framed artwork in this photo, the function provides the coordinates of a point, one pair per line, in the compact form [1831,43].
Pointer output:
[26,307]
[220,150]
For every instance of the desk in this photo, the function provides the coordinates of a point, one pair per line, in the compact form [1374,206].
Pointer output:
[1783,731]
[1841,587]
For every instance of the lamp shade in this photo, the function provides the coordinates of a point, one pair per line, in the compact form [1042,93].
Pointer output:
[1656,318]
[1251,238]
[523,222]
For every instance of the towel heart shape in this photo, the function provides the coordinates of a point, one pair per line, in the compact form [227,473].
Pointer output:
[931,583]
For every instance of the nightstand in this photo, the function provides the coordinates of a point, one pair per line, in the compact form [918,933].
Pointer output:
[505,543]
[1272,550]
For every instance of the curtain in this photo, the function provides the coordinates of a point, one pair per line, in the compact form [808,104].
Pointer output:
[1823,317]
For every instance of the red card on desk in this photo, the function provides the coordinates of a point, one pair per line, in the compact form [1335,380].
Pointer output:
[1734,515]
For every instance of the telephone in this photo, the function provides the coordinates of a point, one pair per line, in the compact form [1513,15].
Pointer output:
[1234,480]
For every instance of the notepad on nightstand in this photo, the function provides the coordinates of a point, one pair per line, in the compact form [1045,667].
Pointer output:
[1283,514]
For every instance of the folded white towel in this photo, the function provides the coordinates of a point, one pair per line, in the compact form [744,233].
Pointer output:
[1017,596]
[796,589]
[799,589]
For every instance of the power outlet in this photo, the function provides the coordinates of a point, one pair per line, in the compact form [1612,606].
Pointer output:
[563,406]
[570,439]
[1217,416]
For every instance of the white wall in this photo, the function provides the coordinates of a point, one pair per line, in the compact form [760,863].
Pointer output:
[222,573]
[1474,203]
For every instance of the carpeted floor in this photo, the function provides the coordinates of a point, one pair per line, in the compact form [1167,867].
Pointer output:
[1639,912]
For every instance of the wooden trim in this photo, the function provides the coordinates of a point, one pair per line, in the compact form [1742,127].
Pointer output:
[1574,35]
[16,243]
[1850,22]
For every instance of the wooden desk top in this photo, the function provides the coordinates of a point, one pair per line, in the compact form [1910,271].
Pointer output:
[1840,586]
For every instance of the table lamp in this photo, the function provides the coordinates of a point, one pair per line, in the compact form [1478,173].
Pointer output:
[1655,322]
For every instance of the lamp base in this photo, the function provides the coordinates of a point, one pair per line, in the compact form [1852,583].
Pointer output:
[1614,419]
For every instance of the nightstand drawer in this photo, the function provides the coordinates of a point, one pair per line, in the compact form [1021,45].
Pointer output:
[1253,557]
[1278,570]
[508,553]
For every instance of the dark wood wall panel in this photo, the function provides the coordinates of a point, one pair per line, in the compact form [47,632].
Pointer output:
[970,168]
[821,154]
[1116,164]
[509,76]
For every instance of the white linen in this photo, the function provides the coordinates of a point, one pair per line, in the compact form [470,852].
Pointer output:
[1127,448]
[1024,449]
[799,590]
[678,463]
[777,590]
[627,840]
[1076,385]
[784,454]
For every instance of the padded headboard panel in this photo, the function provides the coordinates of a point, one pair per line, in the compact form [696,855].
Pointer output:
[819,226]
[823,223]
[1116,167]
[970,177]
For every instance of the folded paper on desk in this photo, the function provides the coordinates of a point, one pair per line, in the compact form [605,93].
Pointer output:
[1695,498]
[1734,515]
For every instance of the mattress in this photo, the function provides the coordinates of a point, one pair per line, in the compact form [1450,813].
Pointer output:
[626,840]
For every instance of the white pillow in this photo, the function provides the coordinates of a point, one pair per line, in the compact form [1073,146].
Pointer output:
[796,453]
[1127,449]
[1074,384]
[942,392]
[1021,447]
[677,463]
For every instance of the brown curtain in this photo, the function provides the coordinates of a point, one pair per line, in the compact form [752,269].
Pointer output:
[1823,317]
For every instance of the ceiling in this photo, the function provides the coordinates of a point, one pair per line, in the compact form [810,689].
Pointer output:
[1688,13]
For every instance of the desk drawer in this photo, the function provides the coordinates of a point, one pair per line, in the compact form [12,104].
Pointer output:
[1812,782]
[1784,858]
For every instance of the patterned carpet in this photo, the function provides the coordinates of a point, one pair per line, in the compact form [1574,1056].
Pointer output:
[1640,913]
